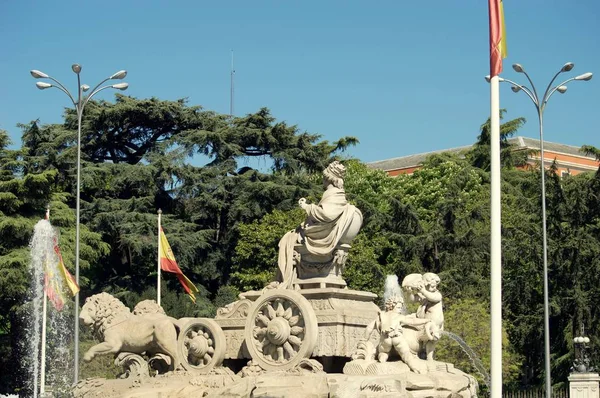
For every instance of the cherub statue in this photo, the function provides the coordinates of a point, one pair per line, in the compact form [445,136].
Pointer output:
[392,326]
[330,222]
[424,290]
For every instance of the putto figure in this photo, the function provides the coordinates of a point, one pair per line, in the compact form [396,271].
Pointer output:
[331,222]
[424,290]
[392,326]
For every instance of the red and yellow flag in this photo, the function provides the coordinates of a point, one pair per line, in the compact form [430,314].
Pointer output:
[58,280]
[497,36]
[168,264]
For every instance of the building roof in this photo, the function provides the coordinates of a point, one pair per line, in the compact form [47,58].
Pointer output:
[405,162]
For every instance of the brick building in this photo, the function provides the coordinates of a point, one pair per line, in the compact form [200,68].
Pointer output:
[569,159]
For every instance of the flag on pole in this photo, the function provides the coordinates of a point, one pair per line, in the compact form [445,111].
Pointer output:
[497,37]
[168,264]
[58,280]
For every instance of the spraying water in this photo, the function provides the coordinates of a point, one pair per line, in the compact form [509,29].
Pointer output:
[393,289]
[472,356]
[43,257]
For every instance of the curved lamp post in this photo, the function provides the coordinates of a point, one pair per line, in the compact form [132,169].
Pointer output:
[540,106]
[79,104]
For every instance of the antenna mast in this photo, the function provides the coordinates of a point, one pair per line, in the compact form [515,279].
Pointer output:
[232,89]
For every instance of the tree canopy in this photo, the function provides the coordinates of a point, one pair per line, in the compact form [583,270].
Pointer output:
[224,219]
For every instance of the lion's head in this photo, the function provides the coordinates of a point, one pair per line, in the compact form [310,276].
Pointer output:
[101,311]
[148,307]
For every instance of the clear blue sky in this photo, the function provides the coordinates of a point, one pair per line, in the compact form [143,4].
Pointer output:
[402,76]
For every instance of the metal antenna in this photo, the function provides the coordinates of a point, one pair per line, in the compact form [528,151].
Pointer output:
[232,89]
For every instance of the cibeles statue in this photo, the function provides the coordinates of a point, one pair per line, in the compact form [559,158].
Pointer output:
[316,251]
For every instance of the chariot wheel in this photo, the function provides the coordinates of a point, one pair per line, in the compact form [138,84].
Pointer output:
[201,345]
[281,330]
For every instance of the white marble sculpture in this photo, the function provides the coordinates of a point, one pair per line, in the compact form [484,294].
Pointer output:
[393,329]
[120,331]
[424,290]
[331,222]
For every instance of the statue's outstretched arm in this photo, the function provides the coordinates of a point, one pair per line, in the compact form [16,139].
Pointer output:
[433,297]
[413,321]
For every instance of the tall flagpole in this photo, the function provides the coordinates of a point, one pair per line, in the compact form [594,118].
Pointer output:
[497,52]
[158,256]
[495,243]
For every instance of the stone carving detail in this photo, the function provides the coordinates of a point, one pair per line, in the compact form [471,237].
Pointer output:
[134,366]
[329,225]
[365,350]
[423,289]
[159,363]
[251,370]
[281,330]
[113,324]
[321,304]
[237,309]
[403,334]
[201,344]
[148,307]
[410,336]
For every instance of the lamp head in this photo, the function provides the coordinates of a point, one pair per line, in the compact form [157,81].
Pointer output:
[515,89]
[37,74]
[43,85]
[567,67]
[76,68]
[119,75]
[561,89]
[586,76]
[518,68]
[85,87]
[120,86]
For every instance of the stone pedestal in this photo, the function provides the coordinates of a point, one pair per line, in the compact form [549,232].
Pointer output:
[584,385]
[342,317]
[320,271]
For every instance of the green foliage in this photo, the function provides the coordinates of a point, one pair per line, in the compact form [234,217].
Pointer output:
[135,160]
[224,220]
[101,366]
[225,295]
[479,156]
[255,260]
[469,319]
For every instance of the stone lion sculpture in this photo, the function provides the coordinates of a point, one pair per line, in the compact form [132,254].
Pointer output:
[121,331]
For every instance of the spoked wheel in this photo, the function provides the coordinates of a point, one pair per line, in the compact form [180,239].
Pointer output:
[201,345]
[281,330]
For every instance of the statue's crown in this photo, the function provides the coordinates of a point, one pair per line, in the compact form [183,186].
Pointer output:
[337,169]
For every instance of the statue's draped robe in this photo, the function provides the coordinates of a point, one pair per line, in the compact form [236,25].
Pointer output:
[325,225]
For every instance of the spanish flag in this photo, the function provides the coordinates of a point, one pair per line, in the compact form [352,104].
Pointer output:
[58,280]
[497,36]
[168,264]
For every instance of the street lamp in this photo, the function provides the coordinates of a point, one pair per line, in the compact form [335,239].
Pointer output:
[540,106]
[79,104]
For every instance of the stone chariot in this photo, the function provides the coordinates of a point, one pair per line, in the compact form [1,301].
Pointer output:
[308,313]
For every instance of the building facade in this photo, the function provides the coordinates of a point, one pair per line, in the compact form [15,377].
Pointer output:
[569,159]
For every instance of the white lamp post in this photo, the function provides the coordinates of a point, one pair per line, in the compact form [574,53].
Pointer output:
[79,104]
[540,106]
